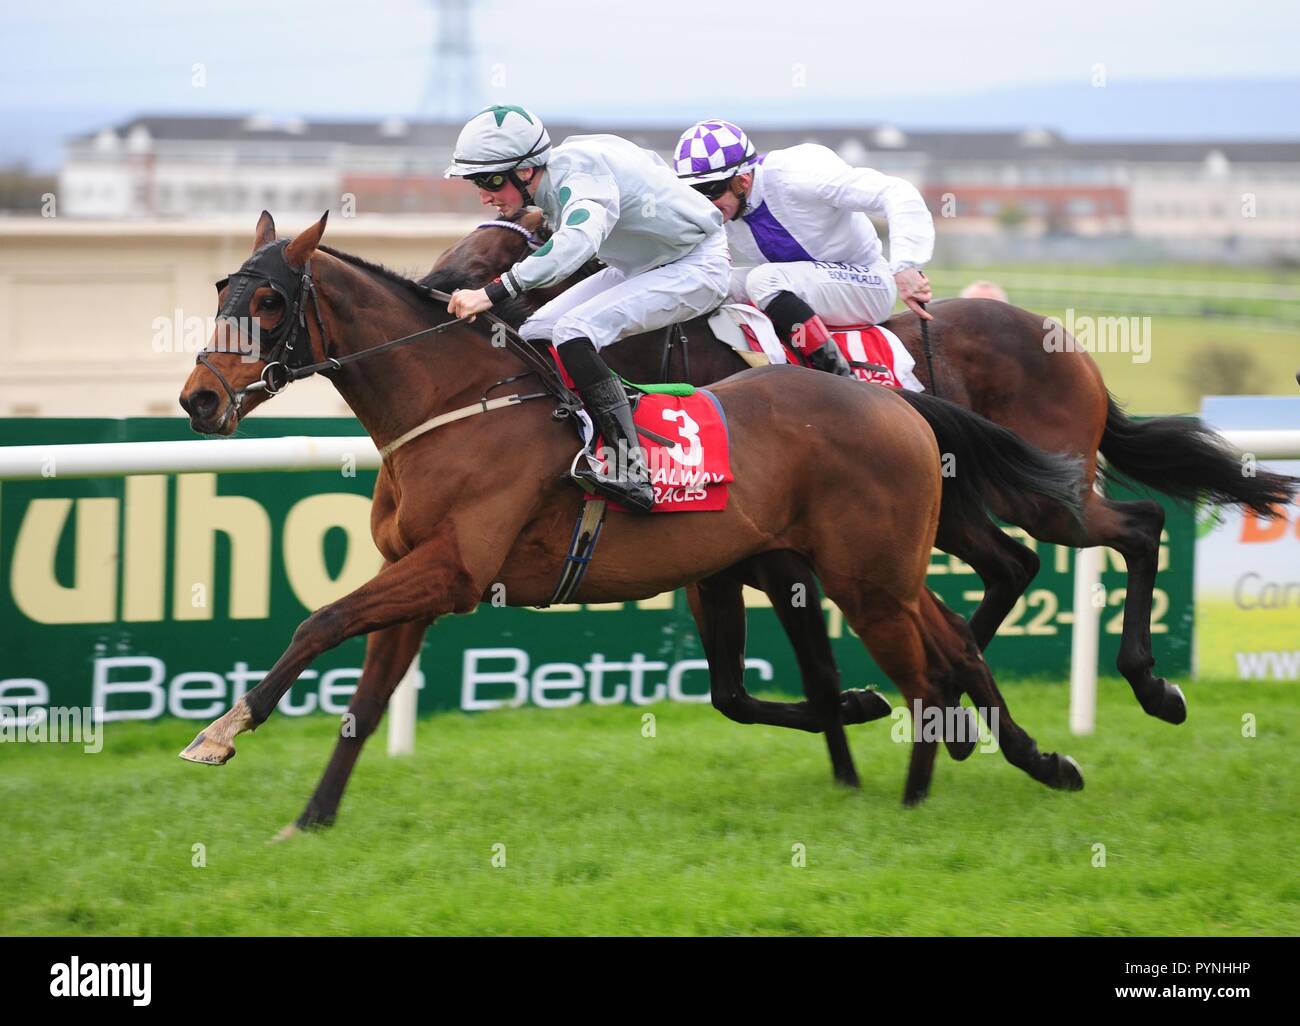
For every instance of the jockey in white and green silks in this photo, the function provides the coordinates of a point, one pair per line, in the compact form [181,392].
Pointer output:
[663,245]
[799,224]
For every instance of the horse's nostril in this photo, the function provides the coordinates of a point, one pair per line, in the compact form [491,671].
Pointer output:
[201,404]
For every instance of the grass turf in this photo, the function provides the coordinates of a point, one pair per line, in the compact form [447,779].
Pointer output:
[689,832]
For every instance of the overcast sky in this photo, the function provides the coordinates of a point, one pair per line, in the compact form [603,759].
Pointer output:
[565,57]
[1173,70]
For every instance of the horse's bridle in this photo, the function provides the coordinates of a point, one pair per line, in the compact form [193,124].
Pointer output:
[290,355]
[535,241]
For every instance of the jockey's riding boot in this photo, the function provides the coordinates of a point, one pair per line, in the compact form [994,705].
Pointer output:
[829,358]
[796,321]
[628,479]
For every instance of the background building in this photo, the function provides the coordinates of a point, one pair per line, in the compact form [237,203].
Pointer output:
[1198,200]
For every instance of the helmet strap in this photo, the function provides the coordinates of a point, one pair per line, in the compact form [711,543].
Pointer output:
[514,179]
[742,194]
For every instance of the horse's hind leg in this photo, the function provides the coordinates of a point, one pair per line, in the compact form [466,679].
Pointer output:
[388,654]
[1133,529]
[788,580]
[892,634]
[1004,565]
[719,610]
[972,674]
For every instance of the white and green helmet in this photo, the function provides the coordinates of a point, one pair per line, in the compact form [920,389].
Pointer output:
[499,139]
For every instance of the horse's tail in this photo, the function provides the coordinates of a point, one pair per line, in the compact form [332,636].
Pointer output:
[1182,457]
[988,461]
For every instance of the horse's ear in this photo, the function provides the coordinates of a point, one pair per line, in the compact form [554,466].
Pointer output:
[265,231]
[299,251]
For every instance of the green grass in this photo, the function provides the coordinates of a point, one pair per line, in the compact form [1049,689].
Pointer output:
[690,832]
[1223,630]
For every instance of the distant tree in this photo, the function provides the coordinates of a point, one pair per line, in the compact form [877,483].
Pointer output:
[21,191]
[1219,369]
[1011,217]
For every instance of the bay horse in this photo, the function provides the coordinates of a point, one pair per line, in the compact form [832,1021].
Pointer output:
[485,500]
[991,358]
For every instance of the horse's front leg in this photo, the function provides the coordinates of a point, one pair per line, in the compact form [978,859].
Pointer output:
[424,584]
[388,655]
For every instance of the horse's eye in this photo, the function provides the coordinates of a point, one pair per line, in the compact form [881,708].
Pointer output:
[268,302]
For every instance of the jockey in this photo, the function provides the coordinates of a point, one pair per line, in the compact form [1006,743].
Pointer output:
[797,222]
[663,245]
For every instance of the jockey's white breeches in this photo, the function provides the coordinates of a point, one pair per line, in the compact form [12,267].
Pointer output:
[844,294]
[610,305]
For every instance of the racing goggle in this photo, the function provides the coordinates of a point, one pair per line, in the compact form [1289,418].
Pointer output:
[712,190]
[491,181]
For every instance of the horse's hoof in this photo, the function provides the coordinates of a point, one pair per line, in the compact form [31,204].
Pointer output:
[285,833]
[1067,776]
[1173,703]
[862,705]
[208,752]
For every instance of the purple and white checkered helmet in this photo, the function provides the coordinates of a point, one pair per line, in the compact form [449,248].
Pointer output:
[711,151]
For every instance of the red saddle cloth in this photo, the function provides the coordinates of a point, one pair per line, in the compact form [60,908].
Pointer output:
[687,448]
[861,344]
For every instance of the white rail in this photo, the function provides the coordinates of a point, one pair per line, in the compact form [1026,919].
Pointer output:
[300,452]
[219,455]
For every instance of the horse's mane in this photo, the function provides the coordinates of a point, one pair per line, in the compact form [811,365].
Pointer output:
[447,280]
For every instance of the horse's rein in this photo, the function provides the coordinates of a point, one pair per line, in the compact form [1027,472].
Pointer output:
[278,375]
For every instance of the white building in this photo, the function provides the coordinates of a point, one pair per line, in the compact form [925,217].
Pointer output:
[1032,182]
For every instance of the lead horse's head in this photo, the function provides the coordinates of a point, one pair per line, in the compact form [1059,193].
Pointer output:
[268,326]
[492,247]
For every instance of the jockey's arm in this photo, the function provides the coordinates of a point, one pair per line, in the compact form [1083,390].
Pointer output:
[897,201]
[585,221]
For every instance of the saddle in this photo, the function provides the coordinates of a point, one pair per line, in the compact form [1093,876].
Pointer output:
[874,352]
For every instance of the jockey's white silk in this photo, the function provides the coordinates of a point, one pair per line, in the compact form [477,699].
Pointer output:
[607,197]
[609,305]
[806,203]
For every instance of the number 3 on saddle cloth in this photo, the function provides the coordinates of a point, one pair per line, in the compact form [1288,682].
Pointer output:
[684,432]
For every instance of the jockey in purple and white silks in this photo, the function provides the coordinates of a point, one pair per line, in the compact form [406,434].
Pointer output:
[798,224]
[663,245]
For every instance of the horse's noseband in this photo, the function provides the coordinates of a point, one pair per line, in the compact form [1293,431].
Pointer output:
[289,355]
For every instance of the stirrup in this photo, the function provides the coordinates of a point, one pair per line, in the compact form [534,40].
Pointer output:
[636,494]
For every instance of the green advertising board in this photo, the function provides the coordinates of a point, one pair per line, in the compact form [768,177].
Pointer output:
[159,596]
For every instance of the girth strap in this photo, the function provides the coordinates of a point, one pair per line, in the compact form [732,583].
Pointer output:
[582,547]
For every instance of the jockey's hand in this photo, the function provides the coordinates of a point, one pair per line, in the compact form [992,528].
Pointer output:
[468,303]
[914,289]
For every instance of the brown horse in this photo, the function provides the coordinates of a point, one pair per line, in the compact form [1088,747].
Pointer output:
[989,357]
[484,500]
